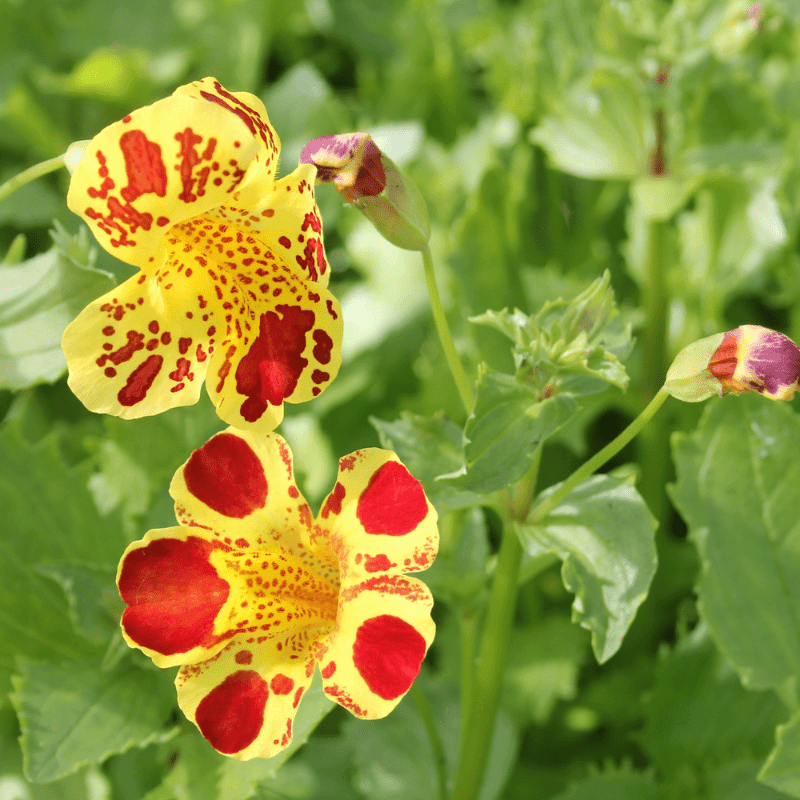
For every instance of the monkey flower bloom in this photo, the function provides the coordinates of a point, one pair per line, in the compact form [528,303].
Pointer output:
[747,359]
[249,592]
[233,274]
[370,180]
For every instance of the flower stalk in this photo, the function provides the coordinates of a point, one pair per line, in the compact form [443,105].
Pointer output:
[31,174]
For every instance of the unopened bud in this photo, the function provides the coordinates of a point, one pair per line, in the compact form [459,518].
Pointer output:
[370,180]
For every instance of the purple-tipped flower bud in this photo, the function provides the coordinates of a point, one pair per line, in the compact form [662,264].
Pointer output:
[370,180]
[747,359]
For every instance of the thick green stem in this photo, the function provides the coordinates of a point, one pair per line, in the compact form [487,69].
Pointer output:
[445,337]
[600,458]
[433,735]
[478,718]
[30,174]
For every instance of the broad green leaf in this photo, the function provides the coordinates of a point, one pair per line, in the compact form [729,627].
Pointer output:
[74,714]
[38,299]
[605,535]
[597,130]
[616,785]
[543,666]
[507,425]
[429,447]
[737,487]
[48,517]
[698,714]
[782,770]
[200,773]
[738,780]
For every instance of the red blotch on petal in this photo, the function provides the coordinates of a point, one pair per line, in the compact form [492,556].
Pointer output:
[393,503]
[388,653]
[143,165]
[328,669]
[379,563]
[323,346]
[139,381]
[281,684]
[243,657]
[270,370]
[334,502]
[227,476]
[723,363]
[231,715]
[174,595]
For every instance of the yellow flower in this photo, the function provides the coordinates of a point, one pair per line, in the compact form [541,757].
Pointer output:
[249,593]
[233,274]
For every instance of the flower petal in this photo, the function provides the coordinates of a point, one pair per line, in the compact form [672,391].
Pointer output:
[174,595]
[282,343]
[168,162]
[287,216]
[383,632]
[244,701]
[379,518]
[136,350]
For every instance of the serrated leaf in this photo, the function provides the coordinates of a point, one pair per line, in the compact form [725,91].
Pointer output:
[617,785]
[699,715]
[738,486]
[201,773]
[782,770]
[605,535]
[38,299]
[507,425]
[429,447]
[48,516]
[74,714]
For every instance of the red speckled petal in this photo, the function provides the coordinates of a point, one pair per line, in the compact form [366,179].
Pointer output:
[384,629]
[244,701]
[287,215]
[168,162]
[378,518]
[220,488]
[135,351]
[281,342]
[175,596]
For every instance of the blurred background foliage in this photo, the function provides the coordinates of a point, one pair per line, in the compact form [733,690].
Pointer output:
[552,139]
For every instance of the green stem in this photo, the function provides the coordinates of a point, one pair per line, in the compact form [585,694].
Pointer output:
[597,461]
[433,734]
[30,174]
[481,712]
[445,337]
[469,636]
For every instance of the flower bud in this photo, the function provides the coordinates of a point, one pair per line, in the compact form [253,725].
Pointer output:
[747,359]
[75,152]
[370,180]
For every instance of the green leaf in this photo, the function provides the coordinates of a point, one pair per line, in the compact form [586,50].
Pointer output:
[782,770]
[38,299]
[48,517]
[201,773]
[737,488]
[738,780]
[75,714]
[605,535]
[429,447]
[507,425]
[614,785]
[698,714]
[596,131]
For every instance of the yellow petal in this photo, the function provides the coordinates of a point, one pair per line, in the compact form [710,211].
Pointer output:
[383,632]
[135,351]
[245,700]
[380,521]
[168,162]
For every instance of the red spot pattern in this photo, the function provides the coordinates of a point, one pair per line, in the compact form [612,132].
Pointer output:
[143,165]
[281,684]
[140,381]
[227,476]
[231,715]
[174,595]
[388,653]
[379,563]
[270,370]
[393,503]
[323,346]
[333,504]
[328,669]
[243,657]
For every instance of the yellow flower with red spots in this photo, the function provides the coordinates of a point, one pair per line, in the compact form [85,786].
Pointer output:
[747,359]
[233,273]
[249,593]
